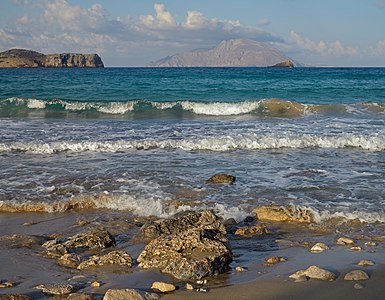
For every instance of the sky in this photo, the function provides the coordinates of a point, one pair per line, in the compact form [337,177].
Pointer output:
[136,32]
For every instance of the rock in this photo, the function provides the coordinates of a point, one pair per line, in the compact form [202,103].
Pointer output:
[240,269]
[96,284]
[191,254]
[284,64]
[6,284]
[79,296]
[315,273]
[356,248]
[365,262]
[221,178]
[358,286]
[119,257]
[54,248]
[163,287]
[254,230]
[70,260]
[370,244]
[189,287]
[189,220]
[274,260]
[345,241]
[319,247]
[22,58]
[128,294]
[229,222]
[92,239]
[284,214]
[356,275]
[58,288]
[15,297]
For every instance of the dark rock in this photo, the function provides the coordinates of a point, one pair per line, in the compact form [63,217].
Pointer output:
[119,257]
[249,219]
[222,178]
[285,64]
[191,254]
[254,230]
[199,220]
[58,288]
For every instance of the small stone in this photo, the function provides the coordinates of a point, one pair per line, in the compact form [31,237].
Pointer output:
[221,178]
[96,284]
[202,290]
[365,262]
[240,269]
[204,281]
[370,244]
[345,241]
[319,247]
[358,286]
[189,287]
[315,273]
[163,287]
[6,284]
[129,294]
[274,260]
[356,248]
[356,275]
[57,288]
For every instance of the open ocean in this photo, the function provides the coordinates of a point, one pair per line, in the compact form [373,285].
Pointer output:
[146,140]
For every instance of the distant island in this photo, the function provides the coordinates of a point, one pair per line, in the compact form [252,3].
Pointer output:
[22,58]
[230,53]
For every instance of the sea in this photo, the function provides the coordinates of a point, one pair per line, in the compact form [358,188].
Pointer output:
[146,140]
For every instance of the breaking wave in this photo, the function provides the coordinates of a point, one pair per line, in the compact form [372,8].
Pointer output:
[265,107]
[374,142]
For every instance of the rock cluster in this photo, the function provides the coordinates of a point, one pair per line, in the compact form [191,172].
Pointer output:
[188,252]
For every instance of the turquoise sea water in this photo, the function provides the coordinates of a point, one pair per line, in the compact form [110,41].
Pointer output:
[146,139]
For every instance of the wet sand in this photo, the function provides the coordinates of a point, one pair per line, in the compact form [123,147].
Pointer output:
[22,262]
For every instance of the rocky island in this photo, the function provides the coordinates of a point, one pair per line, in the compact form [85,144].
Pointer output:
[229,53]
[22,58]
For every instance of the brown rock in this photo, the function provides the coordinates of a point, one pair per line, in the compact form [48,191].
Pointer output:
[92,239]
[254,230]
[222,178]
[191,254]
[79,296]
[365,262]
[70,260]
[15,297]
[356,275]
[315,273]
[319,247]
[163,287]
[119,257]
[284,214]
[189,220]
[345,241]
[274,260]
[129,294]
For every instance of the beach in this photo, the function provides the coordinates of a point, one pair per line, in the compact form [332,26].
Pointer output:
[100,162]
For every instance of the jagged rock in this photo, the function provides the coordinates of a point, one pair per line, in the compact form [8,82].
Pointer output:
[58,288]
[284,214]
[254,230]
[315,273]
[129,294]
[319,247]
[274,260]
[356,275]
[222,178]
[93,239]
[191,254]
[55,248]
[163,287]
[365,262]
[197,219]
[22,58]
[119,257]
[15,297]
[70,260]
[345,241]
[285,64]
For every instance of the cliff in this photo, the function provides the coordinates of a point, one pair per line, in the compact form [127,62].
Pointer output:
[21,58]
[231,53]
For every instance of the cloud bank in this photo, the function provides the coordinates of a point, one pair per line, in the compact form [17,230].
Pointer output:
[57,26]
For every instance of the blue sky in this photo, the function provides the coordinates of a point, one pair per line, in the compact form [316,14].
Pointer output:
[135,32]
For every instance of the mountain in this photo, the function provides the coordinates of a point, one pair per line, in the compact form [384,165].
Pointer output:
[230,53]
[22,58]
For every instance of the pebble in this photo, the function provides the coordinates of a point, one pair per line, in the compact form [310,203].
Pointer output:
[365,262]
[189,287]
[202,290]
[358,286]
[356,275]
[356,248]
[370,244]
[345,241]
[240,269]
[6,284]
[96,284]
[204,281]
[319,247]
[274,260]
[163,287]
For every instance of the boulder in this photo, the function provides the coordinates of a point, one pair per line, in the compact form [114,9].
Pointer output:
[356,275]
[163,287]
[315,273]
[253,230]
[319,247]
[119,257]
[222,178]
[55,248]
[191,254]
[70,260]
[284,214]
[92,239]
[58,288]
[365,262]
[193,219]
[344,241]
[128,294]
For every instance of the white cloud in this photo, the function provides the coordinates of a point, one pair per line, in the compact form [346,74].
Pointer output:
[379,49]
[264,22]
[162,20]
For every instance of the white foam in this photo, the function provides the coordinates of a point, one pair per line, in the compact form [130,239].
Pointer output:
[36,104]
[220,108]
[117,107]
[362,216]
